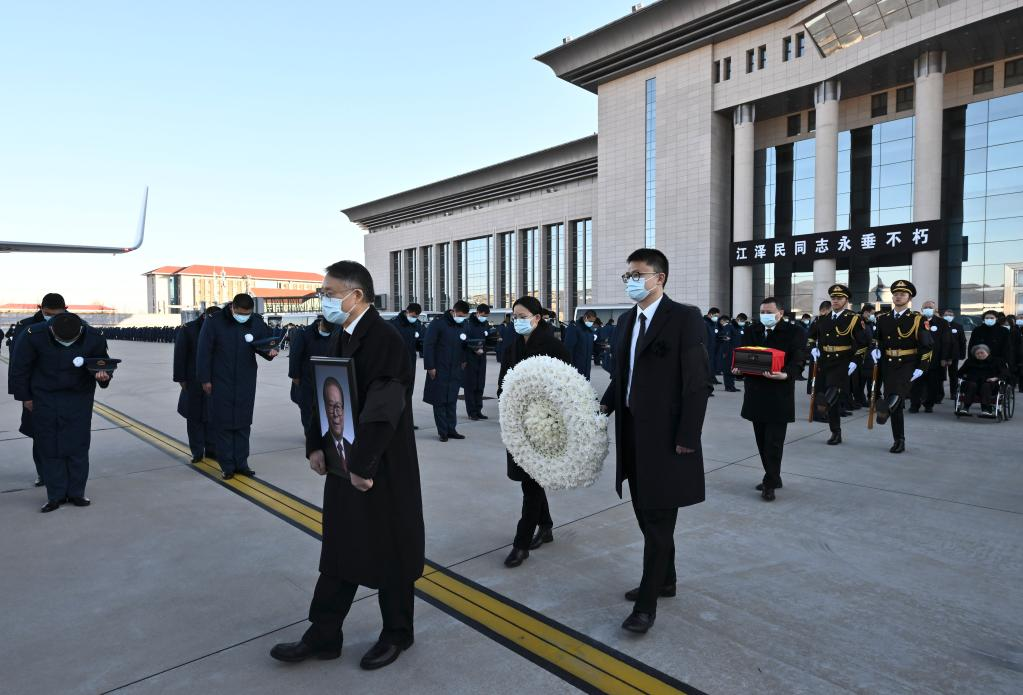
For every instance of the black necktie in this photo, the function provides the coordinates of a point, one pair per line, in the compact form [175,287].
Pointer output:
[344,341]
[642,332]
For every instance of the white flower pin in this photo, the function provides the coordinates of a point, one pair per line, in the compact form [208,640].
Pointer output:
[248,337]
[78,361]
[462,336]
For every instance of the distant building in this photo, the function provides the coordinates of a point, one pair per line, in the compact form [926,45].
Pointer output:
[174,289]
[29,309]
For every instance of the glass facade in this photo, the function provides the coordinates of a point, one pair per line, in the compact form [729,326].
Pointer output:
[847,22]
[396,280]
[411,295]
[443,276]
[983,204]
[651,162]
[426,275]
[474,270]
[555,276]
[532,277]
[506,295]
[583,255]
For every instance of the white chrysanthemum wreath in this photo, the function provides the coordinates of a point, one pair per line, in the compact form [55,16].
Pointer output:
[551,423]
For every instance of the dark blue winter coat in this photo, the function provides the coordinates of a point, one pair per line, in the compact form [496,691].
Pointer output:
[306,342]
[43,371]
[192,402]
[444,350]
[580,340]
[228,361]
[411,333]
[608,334]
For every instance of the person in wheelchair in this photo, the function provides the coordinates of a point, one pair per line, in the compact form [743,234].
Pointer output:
[980,375]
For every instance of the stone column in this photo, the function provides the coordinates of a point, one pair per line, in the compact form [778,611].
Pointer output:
[826,96]
[742,204]
[929,95]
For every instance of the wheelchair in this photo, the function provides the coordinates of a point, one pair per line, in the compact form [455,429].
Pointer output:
[1004,406]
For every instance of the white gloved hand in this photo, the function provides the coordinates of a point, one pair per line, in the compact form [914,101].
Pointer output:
[876,354]
[815,353]
[852,368]
[917,373]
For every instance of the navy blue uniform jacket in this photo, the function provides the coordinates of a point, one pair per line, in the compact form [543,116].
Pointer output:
[228,361]
[444,350]
[579,340]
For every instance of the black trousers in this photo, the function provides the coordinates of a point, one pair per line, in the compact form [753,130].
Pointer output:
[771,445]
[200,437]
[475,381]
[332,600]
[985,389]
[658,527]
[927,389]
[535,512]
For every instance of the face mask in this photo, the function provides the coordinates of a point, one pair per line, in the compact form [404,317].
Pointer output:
[949,317]
[768,320]
[1006,326]
[989,322]
[1019,322]
[714,317]
[588,324]
[806,322]
[482,319]
[47,318]
[458,319]
[741,324]
[242,318]
[323,334]
[332,310]
[928,312]
[523,326]
[872,318]
[411,319]
[66,343]
[636,289]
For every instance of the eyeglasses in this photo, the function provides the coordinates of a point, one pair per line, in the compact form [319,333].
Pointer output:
[335,408]
[635,276]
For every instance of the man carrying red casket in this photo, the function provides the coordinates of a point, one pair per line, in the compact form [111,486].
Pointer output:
[769,400]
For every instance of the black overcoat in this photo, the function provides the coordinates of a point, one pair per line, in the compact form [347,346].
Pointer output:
[543,341]
[997,340]
[12,336]
[375,538]
[192,402]
[444,350]
[228,361]
[670,388]
[411,332]
[769,400]
[43,371]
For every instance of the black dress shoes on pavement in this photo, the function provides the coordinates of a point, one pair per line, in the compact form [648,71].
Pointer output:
[248,472]
[768,494]
[456,435]
[293,652]
[667,591]
[79,501]
[196,459]
[760,487]
[381,654]
[38,482]
[515,557]
[50,507]
[898,447]
[836,438]
[227,476]
[639,622]
[732,390]
[481,416]
[544,535]
[443,437]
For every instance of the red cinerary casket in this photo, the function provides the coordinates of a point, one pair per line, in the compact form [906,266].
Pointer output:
[758,360]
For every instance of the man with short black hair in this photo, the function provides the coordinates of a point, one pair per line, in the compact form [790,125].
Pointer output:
[226,367]
[52,305]
[580,337]
[444,358]
[958,333]
[658,395]
[477,330]
[373,517]
[711,321]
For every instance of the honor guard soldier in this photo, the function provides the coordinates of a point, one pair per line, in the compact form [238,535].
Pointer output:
[904,349]
[833,340]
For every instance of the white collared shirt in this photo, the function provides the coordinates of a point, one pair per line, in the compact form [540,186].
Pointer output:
[350,329]
[649,313]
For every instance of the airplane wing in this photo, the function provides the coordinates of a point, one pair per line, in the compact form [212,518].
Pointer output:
[33,247]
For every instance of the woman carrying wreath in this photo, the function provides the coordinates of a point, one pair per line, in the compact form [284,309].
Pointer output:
[534,337]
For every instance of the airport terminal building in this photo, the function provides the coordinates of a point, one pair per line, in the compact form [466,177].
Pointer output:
[766,146]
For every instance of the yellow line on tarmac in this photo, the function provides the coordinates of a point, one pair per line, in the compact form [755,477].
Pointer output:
[589,665]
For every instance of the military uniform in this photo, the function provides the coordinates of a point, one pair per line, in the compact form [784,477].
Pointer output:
[905,345]
[838,337]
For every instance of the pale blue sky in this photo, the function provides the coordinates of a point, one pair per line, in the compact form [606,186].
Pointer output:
[254,123]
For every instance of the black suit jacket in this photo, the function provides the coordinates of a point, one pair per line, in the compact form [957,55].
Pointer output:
[770,400]
[331,457]
[670,387]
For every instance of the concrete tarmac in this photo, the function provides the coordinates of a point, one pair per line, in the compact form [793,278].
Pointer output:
[870,573]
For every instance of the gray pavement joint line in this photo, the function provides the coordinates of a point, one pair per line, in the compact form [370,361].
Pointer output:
[895,492]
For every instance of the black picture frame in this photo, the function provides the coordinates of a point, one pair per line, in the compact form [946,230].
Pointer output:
[329,375]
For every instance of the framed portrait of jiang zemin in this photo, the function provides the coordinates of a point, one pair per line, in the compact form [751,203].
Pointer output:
[334,379]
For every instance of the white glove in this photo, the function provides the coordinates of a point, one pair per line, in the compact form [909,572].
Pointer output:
[815,353]
[852,368]
[876,354]
[917,373]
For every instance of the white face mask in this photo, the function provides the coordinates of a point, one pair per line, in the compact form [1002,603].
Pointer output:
[458,319]
[989,322]
[523,326]
[768,320]
[411,319]
[949,318]
[482,319]
[332,310]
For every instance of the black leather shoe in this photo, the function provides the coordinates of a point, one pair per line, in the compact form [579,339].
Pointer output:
[515,557]
[760,487]
[227,476]
[196,459]
[481,416]
[473,418]
[768,494]
[380,655]
[733,390]
[79,501]
[836,438]
[544,535]
[50,507]
[248,472]
[914,409]
[443,438]
[667,591]
[38,482]
[456,435]
[898,447]
[293,652]
[638,622]
[928,409]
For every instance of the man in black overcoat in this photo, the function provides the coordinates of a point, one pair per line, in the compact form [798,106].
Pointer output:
[372,520]
[958,334]
[769,401]
[193,404]
[51,305]
[658,394]
[927,390]
[444,359]
[226,368]
[477,330]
